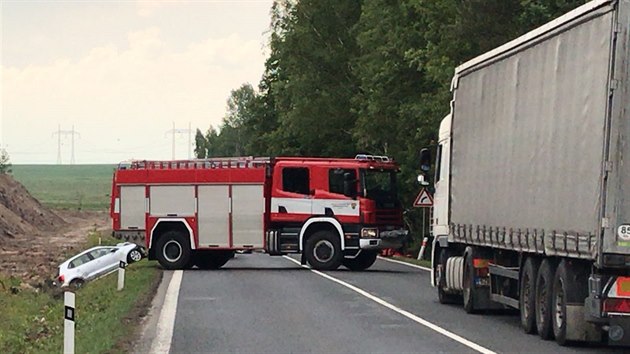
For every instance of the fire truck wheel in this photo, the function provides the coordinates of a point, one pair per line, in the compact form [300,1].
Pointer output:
[363,261]
[173,250]
[323,251]
[212,259]
[544,292]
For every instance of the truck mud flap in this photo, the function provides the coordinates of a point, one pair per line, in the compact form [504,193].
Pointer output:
[578,329]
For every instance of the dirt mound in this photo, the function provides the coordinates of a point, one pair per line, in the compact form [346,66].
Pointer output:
[20,213]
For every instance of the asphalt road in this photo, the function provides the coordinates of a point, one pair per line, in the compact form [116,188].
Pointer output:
[263,304]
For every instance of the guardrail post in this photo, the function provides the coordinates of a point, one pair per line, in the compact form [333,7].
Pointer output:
[68,323]
[121,275]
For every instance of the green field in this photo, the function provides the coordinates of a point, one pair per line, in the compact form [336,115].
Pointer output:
[68,186]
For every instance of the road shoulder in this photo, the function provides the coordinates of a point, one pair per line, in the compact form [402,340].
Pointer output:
[149,323]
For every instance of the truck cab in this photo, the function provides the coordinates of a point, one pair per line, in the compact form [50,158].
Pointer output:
[356,198]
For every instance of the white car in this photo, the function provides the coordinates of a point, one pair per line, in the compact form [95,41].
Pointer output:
[96,262]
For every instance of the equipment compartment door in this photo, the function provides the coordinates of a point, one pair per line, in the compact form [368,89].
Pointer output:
[132,207]
[213,214]
[248,207]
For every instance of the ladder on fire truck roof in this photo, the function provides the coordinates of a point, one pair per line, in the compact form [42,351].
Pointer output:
[219,162]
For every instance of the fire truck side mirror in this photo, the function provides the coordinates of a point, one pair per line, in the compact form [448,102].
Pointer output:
[349,185]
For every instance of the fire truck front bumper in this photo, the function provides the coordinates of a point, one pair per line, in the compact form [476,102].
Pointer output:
[385,239]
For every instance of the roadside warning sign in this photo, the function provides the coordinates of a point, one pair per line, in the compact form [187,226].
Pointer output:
[423,200]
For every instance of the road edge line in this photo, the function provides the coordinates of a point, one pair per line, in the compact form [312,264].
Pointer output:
[166,321]
[400,311]
[405,263]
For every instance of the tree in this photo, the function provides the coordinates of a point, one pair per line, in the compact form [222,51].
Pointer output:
[347,76]
[5,163]
[313,46]
[201,145]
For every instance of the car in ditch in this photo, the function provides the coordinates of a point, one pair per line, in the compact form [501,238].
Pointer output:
[96,262]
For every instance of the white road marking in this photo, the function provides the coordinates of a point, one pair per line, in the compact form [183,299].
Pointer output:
[405,263]
[166,322]
[407,314]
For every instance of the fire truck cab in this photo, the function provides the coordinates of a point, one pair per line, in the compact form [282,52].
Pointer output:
[198,212]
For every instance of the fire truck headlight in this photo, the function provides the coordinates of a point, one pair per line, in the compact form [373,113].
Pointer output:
[369,232]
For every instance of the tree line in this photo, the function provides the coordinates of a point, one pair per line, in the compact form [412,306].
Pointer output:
[367,76]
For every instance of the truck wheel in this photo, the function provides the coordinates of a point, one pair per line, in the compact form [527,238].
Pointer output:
[212,259]
[527,295]
[323,251]
[559,304]
[440,280]
[469,286]
[544,296]
[362,261]
[569,287]
[173,250]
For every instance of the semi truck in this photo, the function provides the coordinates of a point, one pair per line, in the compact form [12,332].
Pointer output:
[532,179]
[334,211]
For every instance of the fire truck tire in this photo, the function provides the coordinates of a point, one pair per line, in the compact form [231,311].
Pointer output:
[212,259]
[173,250]
[527,295]
[323,251]
[363,261]
[544,297]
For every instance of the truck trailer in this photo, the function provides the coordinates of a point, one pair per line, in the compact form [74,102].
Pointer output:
[334,211]
[532,179]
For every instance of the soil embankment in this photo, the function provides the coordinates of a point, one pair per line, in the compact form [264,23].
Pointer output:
[35,239]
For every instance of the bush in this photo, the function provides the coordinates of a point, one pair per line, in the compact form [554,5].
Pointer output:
[5,163]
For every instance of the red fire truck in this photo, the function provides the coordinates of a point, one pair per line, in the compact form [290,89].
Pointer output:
[199,212]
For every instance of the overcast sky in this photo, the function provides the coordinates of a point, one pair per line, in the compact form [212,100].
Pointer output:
[121,72]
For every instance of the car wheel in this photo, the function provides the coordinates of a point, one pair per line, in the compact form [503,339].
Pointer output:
[362,261]
[323,251]
[134,256]
[77,283]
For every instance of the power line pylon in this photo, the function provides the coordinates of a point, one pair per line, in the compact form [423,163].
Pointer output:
[175,131]
[72,133]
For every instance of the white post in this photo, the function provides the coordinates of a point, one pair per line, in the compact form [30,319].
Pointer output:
[68,323]
[424,237]
[424,245]
[121,275]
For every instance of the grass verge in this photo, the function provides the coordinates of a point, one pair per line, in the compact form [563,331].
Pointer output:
[422,262]
[106,319]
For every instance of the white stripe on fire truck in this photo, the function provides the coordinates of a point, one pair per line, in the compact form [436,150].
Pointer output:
[343,207]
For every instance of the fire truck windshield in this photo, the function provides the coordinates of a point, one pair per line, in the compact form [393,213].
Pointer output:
[380,186]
